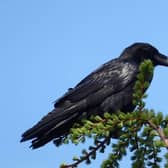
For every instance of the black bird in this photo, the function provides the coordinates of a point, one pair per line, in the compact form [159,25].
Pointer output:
[107,89]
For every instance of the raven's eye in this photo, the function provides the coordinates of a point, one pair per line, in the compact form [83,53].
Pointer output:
[150,49]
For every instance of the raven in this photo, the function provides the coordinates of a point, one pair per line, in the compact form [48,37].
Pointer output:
[107,89]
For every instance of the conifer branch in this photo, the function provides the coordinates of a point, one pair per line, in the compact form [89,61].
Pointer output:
[160,132]
[87,155]
[139,130]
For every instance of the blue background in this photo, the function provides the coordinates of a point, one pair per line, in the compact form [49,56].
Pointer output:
[49,46]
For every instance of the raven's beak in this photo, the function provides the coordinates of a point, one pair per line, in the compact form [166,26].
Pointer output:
[161,59]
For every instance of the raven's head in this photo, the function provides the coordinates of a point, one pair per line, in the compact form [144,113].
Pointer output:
[138,52]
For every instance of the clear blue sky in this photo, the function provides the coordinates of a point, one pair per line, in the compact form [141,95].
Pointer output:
[49,46]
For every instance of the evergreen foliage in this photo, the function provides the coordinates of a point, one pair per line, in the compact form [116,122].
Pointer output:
[143,132]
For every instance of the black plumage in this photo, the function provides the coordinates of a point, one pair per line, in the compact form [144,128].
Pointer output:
[107,89]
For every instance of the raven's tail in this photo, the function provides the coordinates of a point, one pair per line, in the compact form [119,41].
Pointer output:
[55,124]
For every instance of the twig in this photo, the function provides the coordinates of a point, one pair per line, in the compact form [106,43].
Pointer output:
[160,132]
[74,165]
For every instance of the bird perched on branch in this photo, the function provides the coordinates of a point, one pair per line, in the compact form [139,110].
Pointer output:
[107,89]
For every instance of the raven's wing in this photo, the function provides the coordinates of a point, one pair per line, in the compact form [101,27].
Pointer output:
[114,76]
[107,80]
